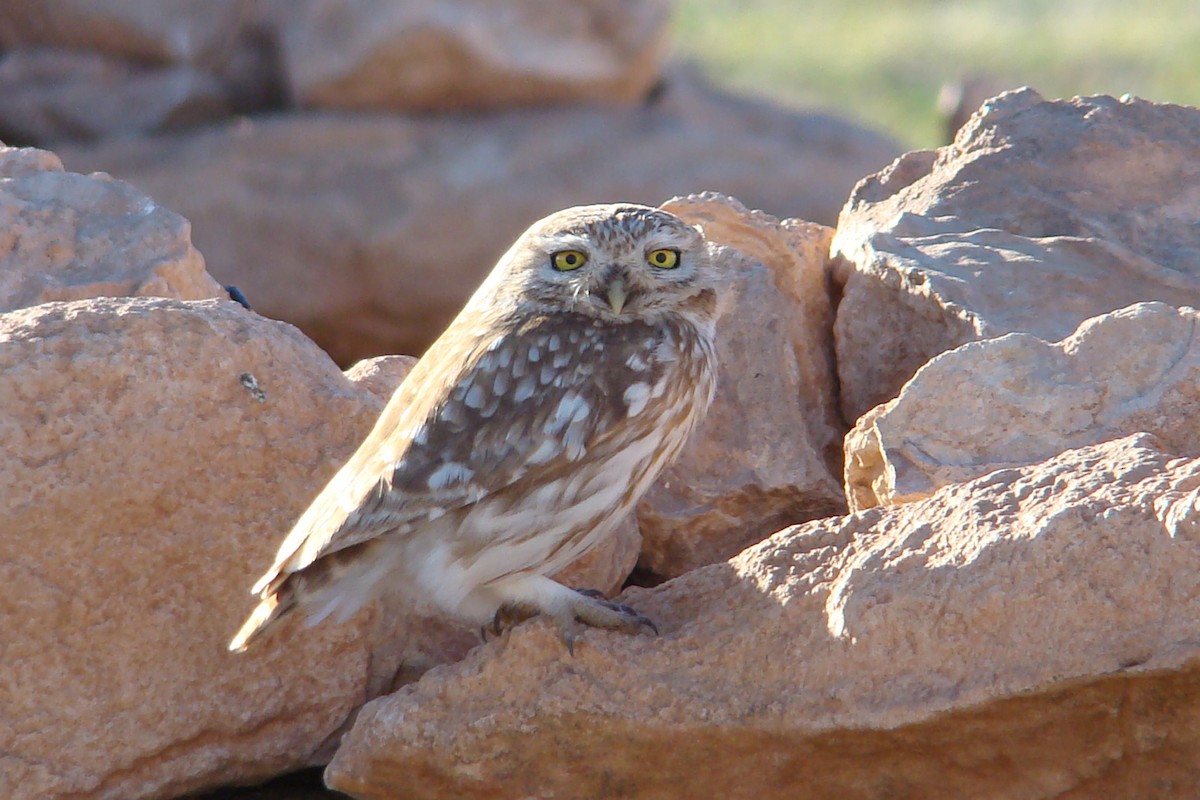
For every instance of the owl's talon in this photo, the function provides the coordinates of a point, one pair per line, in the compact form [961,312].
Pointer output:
[598,612]
[507,617]
[631,621]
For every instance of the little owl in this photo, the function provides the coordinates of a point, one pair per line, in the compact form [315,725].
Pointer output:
[525,434]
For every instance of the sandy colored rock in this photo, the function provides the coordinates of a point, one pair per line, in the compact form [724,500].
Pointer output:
[1017,400]
[65,236]
[1041,214]
[52,95]
[421,55]
[229,47]
[766,455]
[1031,634]
[158,452]
[150,31]
[381,376]
[375,244]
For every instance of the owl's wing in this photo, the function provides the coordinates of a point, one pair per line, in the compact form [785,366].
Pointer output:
[471,421]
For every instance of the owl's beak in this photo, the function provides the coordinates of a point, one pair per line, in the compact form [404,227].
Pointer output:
[616,295]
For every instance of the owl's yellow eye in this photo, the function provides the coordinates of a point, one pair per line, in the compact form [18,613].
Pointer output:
[663,259]
[567,260]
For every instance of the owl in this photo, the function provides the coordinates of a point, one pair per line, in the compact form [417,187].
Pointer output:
[527,432]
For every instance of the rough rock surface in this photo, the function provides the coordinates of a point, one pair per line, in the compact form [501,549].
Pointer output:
[65,236]
[382,375]
[375,244]
[1031,634]
[1040,215]
[158,450]
[768,452]
[422,55]
[1018,400]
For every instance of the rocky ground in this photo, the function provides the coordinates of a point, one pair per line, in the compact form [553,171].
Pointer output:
[938,538]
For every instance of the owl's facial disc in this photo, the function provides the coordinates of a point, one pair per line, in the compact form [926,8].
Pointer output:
[614,262]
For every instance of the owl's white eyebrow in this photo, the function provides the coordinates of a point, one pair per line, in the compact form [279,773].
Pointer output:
[564,241]
[660,242]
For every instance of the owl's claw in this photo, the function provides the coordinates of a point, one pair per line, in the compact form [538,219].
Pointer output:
[587,606]
[597,611]
[507,617]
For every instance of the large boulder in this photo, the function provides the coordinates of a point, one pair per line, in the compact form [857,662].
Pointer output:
[1040,215]
[434,55]
[1031,634]
[1018,400]
[158,451]
[65,236]
[768,452]
[369,233]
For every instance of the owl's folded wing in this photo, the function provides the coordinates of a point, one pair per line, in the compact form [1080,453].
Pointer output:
[530,401]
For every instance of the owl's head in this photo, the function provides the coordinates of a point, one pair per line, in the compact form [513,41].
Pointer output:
[614,262]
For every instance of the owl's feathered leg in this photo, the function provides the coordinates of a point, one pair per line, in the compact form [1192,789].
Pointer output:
[529,595]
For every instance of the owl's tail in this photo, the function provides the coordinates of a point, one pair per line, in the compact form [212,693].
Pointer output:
[340,582]
[272,607]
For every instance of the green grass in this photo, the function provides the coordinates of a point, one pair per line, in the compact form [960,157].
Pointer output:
[882,63]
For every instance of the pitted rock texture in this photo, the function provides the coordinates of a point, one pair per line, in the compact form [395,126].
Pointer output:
[65,236]
[1040,215]
[1030,634]
[768,453]
[1018,400]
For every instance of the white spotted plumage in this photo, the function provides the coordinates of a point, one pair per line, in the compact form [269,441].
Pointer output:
[523,436]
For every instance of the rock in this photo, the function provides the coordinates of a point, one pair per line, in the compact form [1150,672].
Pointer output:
[767,453]
[1031,634]
[222,54]
[375,244]
[382,376]
[461,55]
[1017,400]
[1040,215]
[51,95]
[65,236]
[408,56]
[158,452]
[147,31]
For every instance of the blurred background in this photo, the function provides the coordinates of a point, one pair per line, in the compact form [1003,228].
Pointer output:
[356,166]
[886,64]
